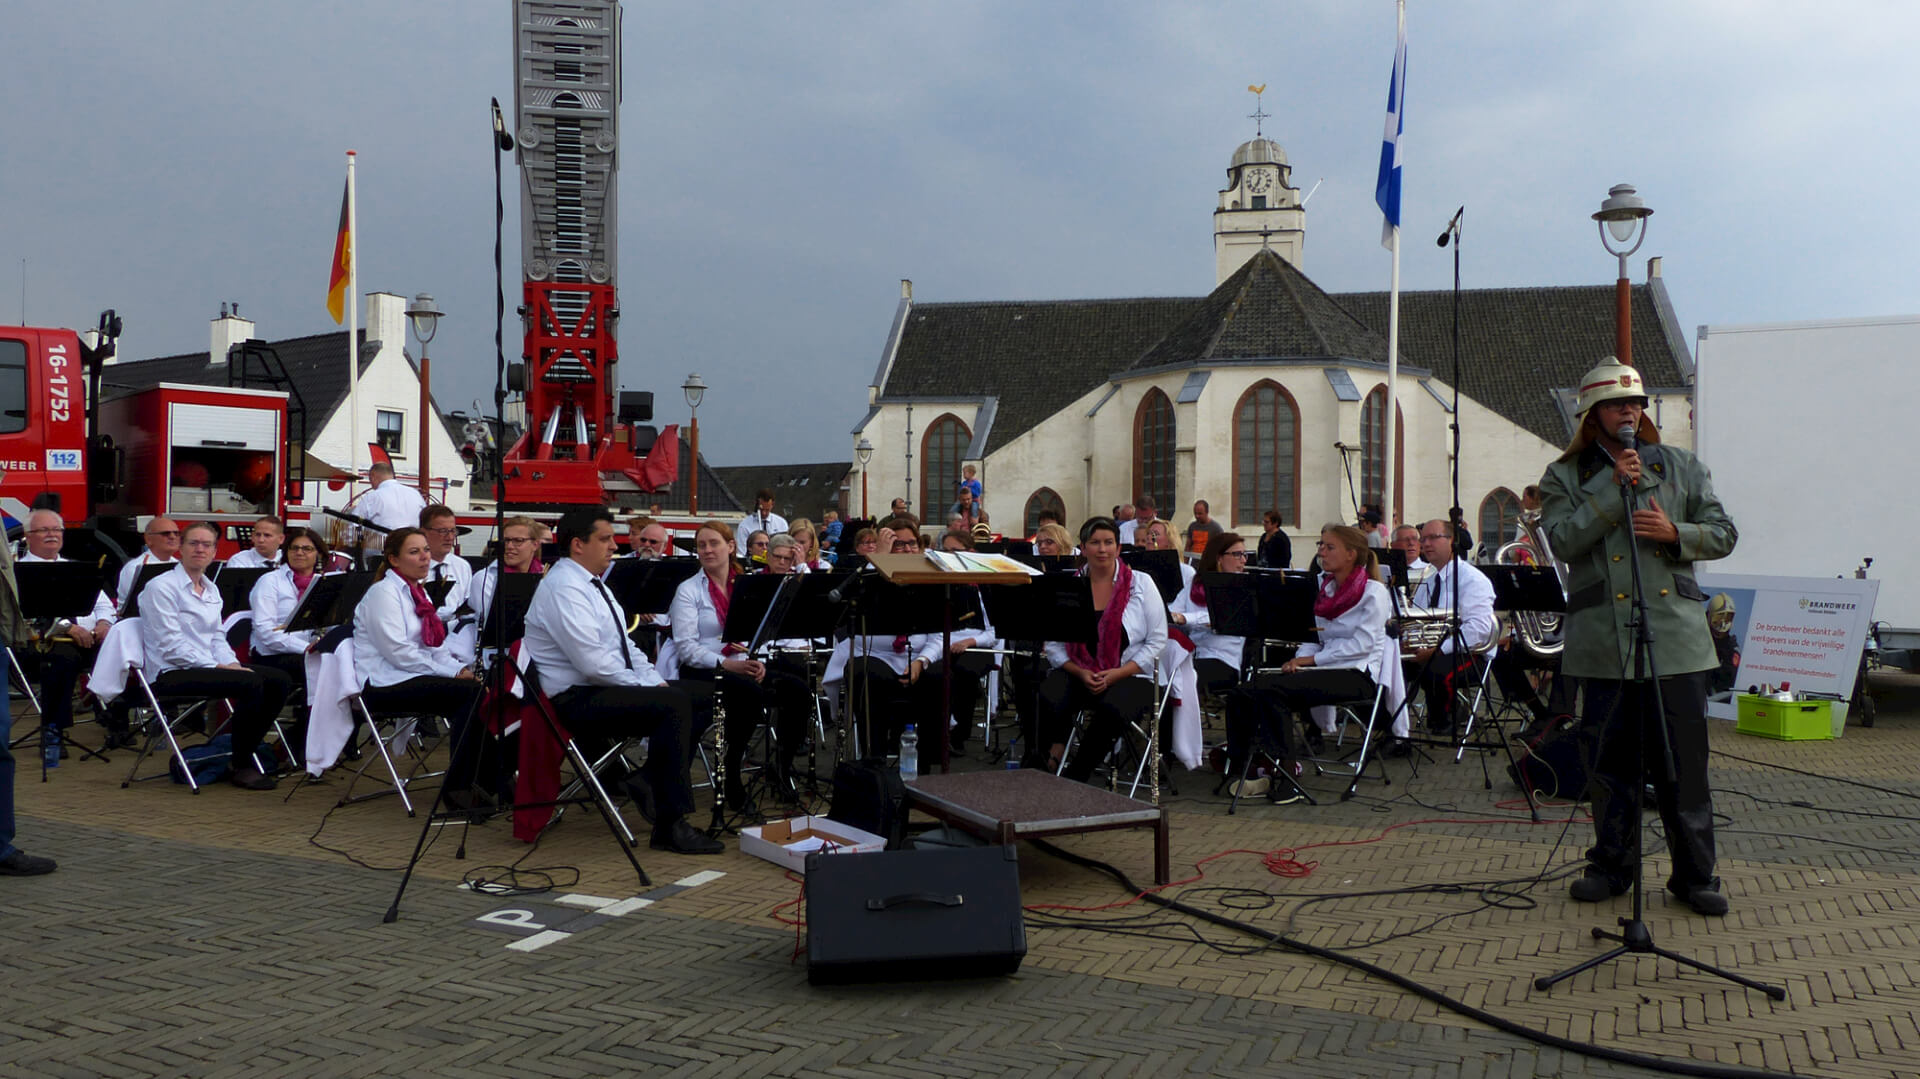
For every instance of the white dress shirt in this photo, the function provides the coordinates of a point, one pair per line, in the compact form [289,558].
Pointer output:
[924,647]
[130,572]
[696,624]
[102,603]
[273,599]
[1206,643]
[458,570]
[574,634]
[250,559]
[1477,623]
[386,637]
[1357,638]
[771,523]
[392,505]
[183,625]
[1145,623]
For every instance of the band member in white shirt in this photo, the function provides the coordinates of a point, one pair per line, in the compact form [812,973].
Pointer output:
[181,612]
[519,553]
[600,690]
[1406,539]
[762,519]
[1351,610]
[971,663]
[400,653]
[651,540]
[391,505]
[71,649]
[1217,657]
[440,526]
[163,545]
[1113,679]
[273,599]
[1440,668]
[268,535]
[881,677]
[709,664]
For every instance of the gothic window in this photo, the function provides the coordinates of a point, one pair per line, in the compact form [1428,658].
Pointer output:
[1153,451]
[940,451]
[1266,454]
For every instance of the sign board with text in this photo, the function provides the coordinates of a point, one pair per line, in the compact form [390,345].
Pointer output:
[1803,631]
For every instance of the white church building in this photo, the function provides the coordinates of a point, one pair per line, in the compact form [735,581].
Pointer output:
[1267,393]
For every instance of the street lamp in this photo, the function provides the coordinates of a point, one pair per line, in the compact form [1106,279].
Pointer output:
[864,453]
[425,319]
[695,389]
[1622,218]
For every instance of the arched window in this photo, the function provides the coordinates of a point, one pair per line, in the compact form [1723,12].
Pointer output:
[1043,499]
[1153,451]
[1499,518]
[1266,454]
[1373,456]
[940,450]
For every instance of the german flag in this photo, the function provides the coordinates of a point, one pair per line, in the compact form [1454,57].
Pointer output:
[342,256]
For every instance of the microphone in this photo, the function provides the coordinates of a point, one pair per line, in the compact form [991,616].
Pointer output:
[1628,436]
[847,587]
[1453,226]
[504,140]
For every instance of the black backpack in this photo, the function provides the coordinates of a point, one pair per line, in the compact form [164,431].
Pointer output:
[873,798]
[1555,762]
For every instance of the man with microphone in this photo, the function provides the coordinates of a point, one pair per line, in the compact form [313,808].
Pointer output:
[1676,521]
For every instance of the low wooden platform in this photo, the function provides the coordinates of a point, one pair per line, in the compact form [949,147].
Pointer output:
[1026,803]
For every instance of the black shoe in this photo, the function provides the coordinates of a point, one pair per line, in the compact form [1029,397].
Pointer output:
[641,792]
[1280,793]
[22,864]
[1398,747]
[1316,740]
[120,738]
[251,779]
[683,838]
[1596,887]
[1703,898]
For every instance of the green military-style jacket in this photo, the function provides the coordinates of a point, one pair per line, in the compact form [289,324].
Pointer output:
[13,628]
[1587,526]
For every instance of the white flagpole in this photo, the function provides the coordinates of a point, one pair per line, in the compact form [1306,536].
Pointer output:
[1387,506]
[353,326]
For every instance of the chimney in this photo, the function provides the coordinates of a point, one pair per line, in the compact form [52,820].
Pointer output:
[228,330]
[1653,267]
[906,289]
[387,320]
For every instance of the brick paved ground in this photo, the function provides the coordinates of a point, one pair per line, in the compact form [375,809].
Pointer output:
[207,936]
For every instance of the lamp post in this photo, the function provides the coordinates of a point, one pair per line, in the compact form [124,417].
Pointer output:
[424,317]
[1621,218]
[864,453]
[695,389]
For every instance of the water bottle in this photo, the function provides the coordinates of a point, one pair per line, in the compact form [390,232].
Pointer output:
[50,747]
[909,754]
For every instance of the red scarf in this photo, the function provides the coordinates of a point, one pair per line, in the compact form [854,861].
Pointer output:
[433,632]
[302,580]
[721,599]
[1106,653]
[1336,600]
[1198,593]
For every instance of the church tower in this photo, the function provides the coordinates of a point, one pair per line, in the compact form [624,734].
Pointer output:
[1259,208]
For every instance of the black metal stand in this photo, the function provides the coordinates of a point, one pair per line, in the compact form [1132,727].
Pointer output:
[1634,938]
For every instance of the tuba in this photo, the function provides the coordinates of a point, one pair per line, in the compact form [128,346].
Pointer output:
[1541,633]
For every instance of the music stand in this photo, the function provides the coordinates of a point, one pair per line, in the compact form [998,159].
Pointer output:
[50,592]
[236,587]
[1526,588]
[1395,560]
[130,607]
[1162,566]
[512,595]
[645,586]
[329,601]
[1263,607]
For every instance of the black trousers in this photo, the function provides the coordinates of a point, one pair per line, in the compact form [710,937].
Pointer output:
[881,705]
[1062,696]
[1028,672]
[1510,666]
[1265,706]
[970,670]
[661,714]
[782,698]
[1622,717]
[1439,680]
[59,669]
[256,693]
[1215,677]
[472,751]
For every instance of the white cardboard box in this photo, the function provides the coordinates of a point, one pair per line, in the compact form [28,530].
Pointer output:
[786,843]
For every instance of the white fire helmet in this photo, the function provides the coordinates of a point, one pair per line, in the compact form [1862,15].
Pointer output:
[1610,381]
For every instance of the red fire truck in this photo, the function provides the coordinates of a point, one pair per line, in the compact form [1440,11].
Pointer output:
[193,453]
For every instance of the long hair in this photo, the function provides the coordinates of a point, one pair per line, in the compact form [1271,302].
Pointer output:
[1589,431]
[1210,558]
[725,532]
[1356,541]
[396,542]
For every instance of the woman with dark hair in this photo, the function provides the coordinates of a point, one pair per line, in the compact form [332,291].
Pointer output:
[1216,657]
[1351,611]
[1112,680]
[400,653]
[273,599]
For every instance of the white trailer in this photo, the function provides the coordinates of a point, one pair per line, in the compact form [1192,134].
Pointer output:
[1809,428]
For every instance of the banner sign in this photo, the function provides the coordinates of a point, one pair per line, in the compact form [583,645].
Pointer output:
[1803,631]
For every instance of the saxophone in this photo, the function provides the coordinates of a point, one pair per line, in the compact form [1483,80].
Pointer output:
[1541,633]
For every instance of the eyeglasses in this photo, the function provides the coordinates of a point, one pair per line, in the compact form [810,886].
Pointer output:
[1233,554]
[519,539]
[303,548]
[169,532]
[48,531]
[441,531]
[199,543]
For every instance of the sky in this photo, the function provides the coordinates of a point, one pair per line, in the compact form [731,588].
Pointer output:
[783,166]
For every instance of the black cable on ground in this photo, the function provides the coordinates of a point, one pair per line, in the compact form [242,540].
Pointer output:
[1815,775]
[1508,1026]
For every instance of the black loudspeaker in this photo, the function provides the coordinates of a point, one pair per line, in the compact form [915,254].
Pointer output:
[913,915]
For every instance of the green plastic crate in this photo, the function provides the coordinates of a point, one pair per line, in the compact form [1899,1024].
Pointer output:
[1789,721]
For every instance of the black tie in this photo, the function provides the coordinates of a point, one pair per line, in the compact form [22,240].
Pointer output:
[619,624]
[1433,594]
[440,571]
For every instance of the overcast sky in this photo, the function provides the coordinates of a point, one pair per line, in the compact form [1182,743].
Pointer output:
[784,165]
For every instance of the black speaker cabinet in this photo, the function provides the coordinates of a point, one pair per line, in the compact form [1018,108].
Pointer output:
[913,915]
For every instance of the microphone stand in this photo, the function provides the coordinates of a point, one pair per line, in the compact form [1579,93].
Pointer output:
[1634,938]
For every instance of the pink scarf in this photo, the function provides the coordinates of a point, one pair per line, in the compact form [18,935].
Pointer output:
[301,581]
[1106,653]
[721,599]
[1334,599]
[433,632]
[533,567]
[1198,593]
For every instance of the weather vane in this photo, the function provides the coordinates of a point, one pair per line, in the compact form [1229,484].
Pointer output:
[1258,115]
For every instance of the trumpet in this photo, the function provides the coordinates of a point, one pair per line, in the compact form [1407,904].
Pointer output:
[1422,627]
[1542,633]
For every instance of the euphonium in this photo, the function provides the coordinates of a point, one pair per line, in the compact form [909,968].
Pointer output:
[1539,632]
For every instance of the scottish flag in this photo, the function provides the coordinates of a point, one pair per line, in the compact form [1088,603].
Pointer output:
[1386,190]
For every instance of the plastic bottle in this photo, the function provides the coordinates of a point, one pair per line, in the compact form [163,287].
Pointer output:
[50,747]
[909,754]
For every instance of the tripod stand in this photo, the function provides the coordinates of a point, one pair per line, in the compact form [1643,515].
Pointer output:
[1634,937]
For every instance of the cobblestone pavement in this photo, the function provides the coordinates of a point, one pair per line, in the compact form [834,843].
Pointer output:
[209,935]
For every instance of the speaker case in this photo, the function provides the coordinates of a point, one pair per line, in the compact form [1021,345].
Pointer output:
[914,915]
